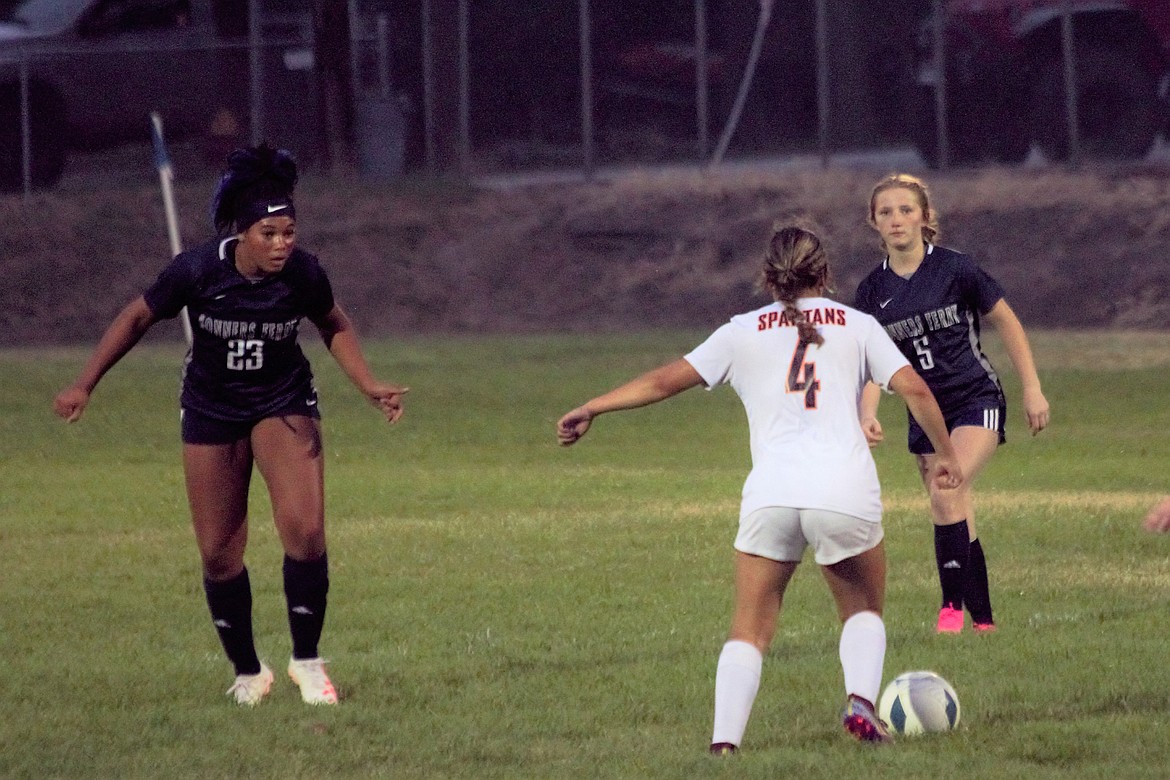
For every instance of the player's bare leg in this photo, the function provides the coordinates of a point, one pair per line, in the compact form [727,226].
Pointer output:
[290,457]
[218,476]
[858,585]
[958,551]
[759,592]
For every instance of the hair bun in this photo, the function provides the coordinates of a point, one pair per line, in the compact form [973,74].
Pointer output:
[256,172]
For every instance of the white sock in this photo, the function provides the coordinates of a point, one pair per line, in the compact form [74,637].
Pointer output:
[863,654]
[737,679]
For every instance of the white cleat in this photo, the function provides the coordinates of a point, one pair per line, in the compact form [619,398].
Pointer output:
[250,689]
[309,675]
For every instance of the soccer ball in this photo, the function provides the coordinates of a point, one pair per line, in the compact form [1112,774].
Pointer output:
[919,703]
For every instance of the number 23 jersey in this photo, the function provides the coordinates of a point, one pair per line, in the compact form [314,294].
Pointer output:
[933,317]
[245,361]
[808,449]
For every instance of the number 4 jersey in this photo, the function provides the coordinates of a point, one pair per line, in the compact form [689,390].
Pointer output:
[933,317]
[808,449]
[244,362]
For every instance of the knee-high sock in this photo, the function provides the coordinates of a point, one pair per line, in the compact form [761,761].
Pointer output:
[306,585]
[230,603]
[977,592]
[737,680]
[952,549]
[863,654]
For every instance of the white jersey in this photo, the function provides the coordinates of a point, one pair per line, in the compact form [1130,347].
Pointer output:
[808,449]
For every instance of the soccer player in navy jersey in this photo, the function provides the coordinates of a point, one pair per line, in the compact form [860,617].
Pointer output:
[931,301]
[798,365]
[248,400]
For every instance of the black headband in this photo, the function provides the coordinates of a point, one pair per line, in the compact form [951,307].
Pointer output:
[250,213]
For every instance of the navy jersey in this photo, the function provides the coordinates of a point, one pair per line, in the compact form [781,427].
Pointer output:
[244,362]
[933,317]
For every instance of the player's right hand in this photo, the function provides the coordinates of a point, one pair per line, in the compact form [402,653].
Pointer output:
[573,426]
[946,473]
[873,431]
[70,403]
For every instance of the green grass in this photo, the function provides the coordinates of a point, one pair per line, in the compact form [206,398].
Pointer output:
[505,608]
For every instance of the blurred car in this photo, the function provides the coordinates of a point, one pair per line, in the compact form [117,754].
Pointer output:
[1005,77]
[96,69]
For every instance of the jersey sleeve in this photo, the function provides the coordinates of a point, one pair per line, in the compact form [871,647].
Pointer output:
[316,291]
[979,287]
[883,359]
[863,299]
[173,287]
[713,358]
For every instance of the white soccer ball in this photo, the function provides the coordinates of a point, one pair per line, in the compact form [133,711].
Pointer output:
[919,703]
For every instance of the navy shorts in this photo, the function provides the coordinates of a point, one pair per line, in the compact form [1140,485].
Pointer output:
[198,428]
[988,413]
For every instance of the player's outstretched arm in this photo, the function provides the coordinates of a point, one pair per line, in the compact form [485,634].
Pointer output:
[920,401]
[120,337]
[341,338]
[871,396]
[1015,341]
[653,386]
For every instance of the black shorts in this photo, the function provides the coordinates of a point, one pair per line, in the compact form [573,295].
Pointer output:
[987,413]
[200,429]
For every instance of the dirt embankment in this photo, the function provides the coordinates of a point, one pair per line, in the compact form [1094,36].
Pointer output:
[1075,250]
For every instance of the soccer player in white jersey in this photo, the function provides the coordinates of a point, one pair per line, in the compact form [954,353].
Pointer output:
[799,366]
[931,300]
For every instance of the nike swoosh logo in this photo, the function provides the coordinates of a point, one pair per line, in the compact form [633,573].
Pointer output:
[311,402]
[885,303]
[219,297]
[277,208]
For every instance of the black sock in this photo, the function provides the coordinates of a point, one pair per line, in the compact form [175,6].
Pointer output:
[952,548]
[976,592]
[306,584]
[230,602]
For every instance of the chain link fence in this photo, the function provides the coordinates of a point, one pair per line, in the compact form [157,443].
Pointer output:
[472,88]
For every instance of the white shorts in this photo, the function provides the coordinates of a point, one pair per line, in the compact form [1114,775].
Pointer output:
[781,533]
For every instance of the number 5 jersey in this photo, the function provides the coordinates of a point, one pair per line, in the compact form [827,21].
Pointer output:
[933,317]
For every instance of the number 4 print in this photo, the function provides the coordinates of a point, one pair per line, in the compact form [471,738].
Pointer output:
[802,377]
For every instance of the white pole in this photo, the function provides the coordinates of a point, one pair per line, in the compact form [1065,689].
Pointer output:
[166,177]
[745,84]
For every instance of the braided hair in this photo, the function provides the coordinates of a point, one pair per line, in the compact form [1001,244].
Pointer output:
[795,262]
[259,181]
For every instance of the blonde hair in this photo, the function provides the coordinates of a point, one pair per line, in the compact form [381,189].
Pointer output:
[904,181]
[794,262]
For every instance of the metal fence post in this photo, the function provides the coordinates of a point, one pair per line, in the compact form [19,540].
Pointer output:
[702,90]
[822,37]
[586,56]
[940,86]
[428,74]
[464,90]
[25,129]
[254,75]
[1071,109]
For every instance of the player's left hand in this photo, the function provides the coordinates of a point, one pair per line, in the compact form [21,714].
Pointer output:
[388,398]
[70,403]
[1036,408]
[573,426]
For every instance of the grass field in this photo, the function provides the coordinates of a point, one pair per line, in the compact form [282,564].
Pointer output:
[504,608]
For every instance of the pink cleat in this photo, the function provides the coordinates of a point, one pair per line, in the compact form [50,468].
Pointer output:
[863,723]
[950,620]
